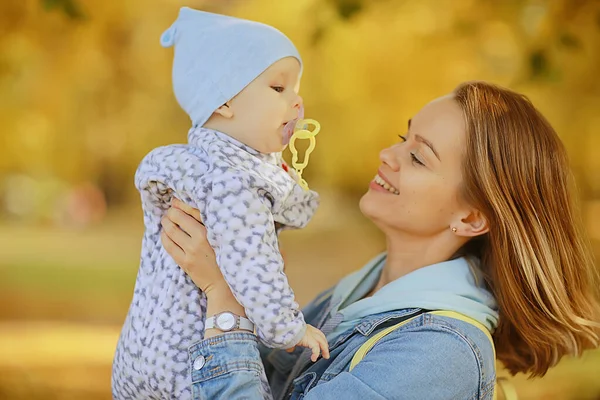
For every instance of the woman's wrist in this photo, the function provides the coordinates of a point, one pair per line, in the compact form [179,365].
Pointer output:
[219,299]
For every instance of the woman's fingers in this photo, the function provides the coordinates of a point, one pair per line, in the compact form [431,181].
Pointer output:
[176,234]
[172,248]
[186,222]
[194,212]
[184,238]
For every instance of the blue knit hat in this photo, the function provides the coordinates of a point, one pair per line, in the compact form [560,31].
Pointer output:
[216,56]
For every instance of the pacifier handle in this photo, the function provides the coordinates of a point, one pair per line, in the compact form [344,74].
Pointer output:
[303,132]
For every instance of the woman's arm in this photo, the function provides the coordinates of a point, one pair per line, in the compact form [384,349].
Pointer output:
[184,238]
[433,362]
[227,365]
[223,365]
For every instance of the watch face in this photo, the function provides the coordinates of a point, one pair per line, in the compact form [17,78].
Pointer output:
[225,321]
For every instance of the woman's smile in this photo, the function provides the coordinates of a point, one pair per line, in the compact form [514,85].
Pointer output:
[381,185]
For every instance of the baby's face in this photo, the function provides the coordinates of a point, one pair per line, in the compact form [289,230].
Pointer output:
[263,108]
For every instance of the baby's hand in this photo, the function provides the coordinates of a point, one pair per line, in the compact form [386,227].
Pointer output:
[315,340]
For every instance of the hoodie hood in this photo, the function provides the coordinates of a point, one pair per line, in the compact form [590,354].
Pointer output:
[455,285]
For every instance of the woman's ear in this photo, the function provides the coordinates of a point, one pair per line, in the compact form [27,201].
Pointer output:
[224,111]
[473,224]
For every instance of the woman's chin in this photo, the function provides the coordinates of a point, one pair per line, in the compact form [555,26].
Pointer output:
[367,205]
[376,205]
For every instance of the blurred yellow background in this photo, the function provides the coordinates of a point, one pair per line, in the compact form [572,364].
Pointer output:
[85,93]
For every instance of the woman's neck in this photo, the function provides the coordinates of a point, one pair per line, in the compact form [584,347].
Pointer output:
[405,255]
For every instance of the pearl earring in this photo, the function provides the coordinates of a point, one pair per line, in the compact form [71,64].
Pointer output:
[454,230]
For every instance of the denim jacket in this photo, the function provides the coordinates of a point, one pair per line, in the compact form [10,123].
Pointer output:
[431,357]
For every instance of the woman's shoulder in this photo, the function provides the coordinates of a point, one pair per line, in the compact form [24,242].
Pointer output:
[443,352]
[467,335]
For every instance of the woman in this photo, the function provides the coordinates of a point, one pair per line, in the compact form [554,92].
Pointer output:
[475,205]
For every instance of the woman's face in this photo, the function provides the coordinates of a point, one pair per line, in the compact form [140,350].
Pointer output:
[416,189]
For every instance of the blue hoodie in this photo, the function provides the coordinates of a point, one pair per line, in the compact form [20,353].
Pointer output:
[455,285]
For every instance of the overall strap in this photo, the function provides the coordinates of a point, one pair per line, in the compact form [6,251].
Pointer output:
[507,389]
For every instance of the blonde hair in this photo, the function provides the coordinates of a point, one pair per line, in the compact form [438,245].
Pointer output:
[536,258]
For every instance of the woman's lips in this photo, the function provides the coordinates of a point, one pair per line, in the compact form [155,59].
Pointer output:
[384,184]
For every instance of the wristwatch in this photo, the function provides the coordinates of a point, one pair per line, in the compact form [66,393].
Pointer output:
[227,321]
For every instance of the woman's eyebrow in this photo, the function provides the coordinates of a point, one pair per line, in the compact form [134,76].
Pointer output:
[425,141]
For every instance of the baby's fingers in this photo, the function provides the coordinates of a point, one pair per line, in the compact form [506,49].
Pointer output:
[316,350]
[324,348]
[323,345]
[322,340]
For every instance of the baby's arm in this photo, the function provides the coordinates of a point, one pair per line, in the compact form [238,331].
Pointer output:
[166,172]
[150,181]
[241,229]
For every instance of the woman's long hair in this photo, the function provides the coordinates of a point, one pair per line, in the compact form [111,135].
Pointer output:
[536,258]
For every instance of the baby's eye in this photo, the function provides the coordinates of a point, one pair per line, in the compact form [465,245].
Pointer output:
[278,89]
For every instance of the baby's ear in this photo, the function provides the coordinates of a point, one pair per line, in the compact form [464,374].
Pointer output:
[224,111]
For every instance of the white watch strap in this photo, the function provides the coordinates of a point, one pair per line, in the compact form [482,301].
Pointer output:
[244,324]
[209,323]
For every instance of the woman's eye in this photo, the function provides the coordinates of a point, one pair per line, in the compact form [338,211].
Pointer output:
[278,89]
[415,159]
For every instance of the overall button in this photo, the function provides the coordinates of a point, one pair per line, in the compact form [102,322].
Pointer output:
[199,363]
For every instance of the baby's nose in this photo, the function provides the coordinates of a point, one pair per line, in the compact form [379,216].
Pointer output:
[298,102]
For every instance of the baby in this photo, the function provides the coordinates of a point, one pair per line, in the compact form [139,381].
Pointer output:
[238,81]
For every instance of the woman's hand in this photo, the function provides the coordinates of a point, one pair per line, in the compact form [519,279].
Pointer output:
[184,238]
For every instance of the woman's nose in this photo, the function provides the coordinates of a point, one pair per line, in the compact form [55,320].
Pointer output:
[388,157]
